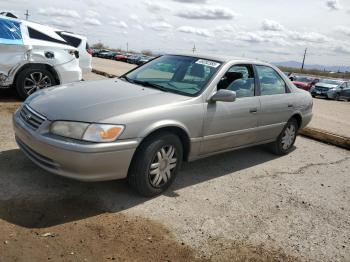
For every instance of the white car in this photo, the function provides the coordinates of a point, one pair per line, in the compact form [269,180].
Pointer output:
[35,56]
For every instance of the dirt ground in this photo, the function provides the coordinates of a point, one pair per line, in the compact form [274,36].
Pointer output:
[247,205]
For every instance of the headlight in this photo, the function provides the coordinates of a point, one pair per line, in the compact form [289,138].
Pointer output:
[74,130]
[87,132]
[102,133]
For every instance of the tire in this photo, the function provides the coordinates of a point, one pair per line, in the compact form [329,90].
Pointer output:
[282,146]
[37,77]
[155,165]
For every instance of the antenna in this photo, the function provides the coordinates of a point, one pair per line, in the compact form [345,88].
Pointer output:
[194,48]
[27,14]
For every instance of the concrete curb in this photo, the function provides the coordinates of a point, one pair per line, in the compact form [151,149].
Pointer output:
[103,73]
[326,137]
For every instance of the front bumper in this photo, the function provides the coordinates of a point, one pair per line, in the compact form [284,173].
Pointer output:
[81,161]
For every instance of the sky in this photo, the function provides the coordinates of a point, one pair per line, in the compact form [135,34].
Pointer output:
[269,30]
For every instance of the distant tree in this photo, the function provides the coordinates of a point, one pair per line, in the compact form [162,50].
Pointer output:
[147,52]
[99,46]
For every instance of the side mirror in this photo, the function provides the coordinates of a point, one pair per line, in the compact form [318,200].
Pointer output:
[224,95]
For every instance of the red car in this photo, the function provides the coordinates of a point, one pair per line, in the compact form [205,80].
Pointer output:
[121,57]
[305,82]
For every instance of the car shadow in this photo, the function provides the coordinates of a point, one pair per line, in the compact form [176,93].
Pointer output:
[33,198]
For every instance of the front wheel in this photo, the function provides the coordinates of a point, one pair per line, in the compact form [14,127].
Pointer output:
[285,141]
[156,164]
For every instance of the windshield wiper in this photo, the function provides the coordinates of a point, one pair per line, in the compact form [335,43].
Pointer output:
[149,84]
[127,79]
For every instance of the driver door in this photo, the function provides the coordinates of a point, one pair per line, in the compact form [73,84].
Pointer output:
[232,124]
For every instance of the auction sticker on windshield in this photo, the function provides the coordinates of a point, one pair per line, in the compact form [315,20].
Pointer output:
[207,63]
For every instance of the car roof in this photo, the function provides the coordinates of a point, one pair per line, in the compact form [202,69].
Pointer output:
[221,58]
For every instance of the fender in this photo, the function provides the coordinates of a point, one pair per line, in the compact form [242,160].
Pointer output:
[163,124]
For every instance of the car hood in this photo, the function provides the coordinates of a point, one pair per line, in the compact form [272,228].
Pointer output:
[95,101]
[329,86]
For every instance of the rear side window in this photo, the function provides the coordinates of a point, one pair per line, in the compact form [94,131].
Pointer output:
[35,34]
[271,83]
[71,40]
[10,32]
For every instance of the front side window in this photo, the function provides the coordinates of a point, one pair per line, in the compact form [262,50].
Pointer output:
[178,74]
[271,83]
[239,78]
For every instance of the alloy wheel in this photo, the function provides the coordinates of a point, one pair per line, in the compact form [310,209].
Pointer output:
[162,166]
[35,81]
[288,137]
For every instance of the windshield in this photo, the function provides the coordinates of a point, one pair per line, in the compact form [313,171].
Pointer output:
[331,82]
[178,74]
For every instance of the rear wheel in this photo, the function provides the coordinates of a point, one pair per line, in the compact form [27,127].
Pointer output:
[32,79]
[156,164]
[285,141]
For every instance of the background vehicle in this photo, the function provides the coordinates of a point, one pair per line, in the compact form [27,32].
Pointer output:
[122,57]
[34,56]
[85,52]
[305,82]
[143,59]
[101,53]
[328,88]
[174,108]
[133,59]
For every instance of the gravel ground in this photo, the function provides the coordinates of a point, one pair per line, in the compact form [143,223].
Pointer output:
[247,205]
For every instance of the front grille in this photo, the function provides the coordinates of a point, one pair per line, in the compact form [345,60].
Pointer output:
[322,89]
[31,118]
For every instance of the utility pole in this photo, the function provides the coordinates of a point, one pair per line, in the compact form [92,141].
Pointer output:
[194,48]
[27,15]
[302,66]
[127,47]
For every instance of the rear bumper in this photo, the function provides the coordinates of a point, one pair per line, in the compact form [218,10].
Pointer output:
[85,162]
[306,120]
[69,72]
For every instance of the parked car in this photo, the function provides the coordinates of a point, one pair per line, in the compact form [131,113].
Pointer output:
[102,53]
[81,43]
[122,57]
[331,89]
[34,56]
[143,60]
[142,125]
[133,59]
[305,82]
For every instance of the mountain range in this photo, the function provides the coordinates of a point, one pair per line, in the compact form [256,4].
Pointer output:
[295,64]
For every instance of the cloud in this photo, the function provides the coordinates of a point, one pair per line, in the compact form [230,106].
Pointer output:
[135,18]
[208,13]
[58,12]
[271,25]
[160,26]
[138,27]
[92,21]
[155,7]
[343,29]
[120,24]
[91,13]
[60,22]
[192,1]
[342,50]
[311,37]
[333,4]
[195,31]
[250,37]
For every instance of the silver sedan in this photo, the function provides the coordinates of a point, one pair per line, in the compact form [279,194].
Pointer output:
[175,108]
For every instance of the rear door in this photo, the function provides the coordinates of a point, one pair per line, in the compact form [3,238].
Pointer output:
[345,91]
[277,103]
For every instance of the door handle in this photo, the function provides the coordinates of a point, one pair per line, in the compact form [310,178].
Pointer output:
[253,110]
[290,105]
